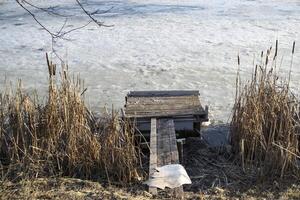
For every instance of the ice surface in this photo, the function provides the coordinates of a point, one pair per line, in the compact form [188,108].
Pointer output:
[170,44]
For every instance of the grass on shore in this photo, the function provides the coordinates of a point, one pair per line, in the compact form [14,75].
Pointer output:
[41,144]
[61,137]
[265,123]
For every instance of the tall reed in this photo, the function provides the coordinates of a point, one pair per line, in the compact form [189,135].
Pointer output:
[62,137]
[265,123]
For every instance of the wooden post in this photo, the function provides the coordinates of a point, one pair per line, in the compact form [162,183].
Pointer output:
[180,143]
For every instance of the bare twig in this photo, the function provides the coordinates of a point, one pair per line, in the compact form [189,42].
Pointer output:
[91,17]
[53,35]
[62,32]
[47,10]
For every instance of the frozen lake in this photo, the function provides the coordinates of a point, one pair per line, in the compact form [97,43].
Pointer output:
[182,44]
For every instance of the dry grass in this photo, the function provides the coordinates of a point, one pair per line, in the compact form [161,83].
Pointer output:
[265,124]
[66,188]
[61,137]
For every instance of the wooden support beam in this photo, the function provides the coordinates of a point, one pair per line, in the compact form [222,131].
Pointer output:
[180,143]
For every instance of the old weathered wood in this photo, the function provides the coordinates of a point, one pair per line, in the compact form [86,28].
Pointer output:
[163,93]
[137,107]
[163,108]
[167,152]
[181,105]
[180,143]
[153,153]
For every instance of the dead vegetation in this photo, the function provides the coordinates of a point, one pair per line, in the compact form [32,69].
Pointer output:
[265,123]
[61,137]
[65,188]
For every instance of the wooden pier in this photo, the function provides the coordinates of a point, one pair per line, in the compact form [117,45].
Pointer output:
[162,114]
[183,106]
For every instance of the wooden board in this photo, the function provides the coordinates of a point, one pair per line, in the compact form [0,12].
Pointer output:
[162,93]
[153,152]
[164,106]
[166,148]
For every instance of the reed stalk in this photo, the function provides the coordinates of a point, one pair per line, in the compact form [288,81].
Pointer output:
[61,137]
[266,121]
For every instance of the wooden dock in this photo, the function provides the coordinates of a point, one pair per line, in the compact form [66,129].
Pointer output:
[143,104]
[163,113]
[183,106]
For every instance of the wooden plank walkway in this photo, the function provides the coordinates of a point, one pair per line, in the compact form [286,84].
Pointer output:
[163,148]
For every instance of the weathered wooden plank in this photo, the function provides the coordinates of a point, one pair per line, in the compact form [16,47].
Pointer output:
[162,114]
[153,153]
[179,99]
[163,142]
[167,147]
[182,118]
[157,114]
[149,109]
[167,110]
[163,93]
[163,106]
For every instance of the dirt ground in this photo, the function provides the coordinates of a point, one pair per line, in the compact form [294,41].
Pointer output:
[213,175]
[70,188]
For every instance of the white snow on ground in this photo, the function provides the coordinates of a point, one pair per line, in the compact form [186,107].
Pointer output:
[153,44]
